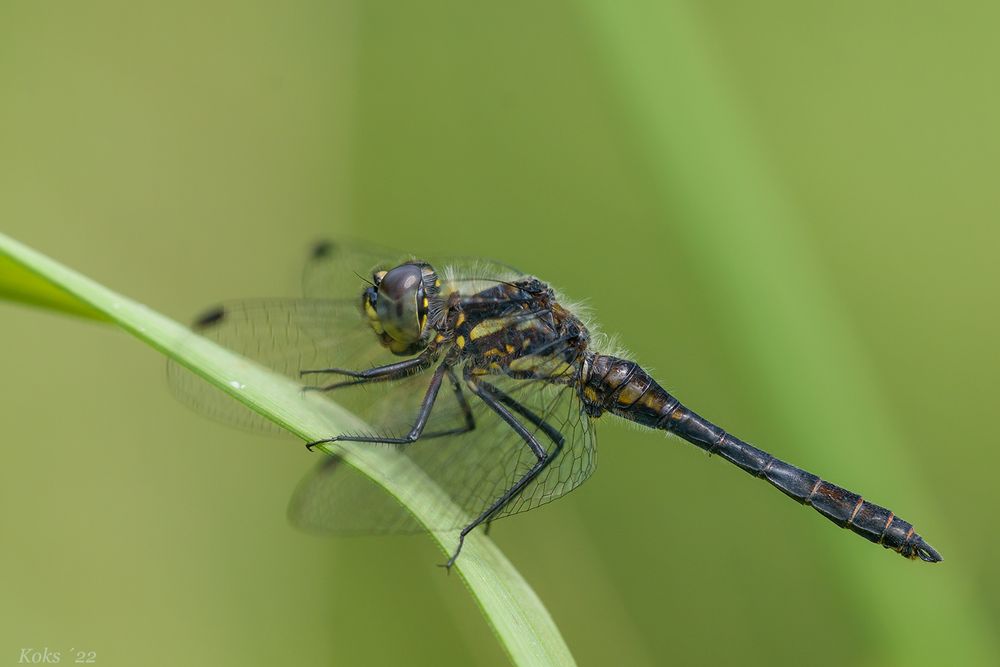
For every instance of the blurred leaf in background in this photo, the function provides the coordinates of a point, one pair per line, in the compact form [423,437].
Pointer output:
[786,210]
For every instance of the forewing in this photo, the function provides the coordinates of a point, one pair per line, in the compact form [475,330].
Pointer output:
[332,265]
[337,270]
[295,335]
[285,335]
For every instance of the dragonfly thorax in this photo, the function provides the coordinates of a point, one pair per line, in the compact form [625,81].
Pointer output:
[518,329]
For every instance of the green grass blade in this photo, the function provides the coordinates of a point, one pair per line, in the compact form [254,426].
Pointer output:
[17,283]
[519,619]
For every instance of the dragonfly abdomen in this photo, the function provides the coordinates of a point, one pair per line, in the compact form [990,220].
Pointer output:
[623,388]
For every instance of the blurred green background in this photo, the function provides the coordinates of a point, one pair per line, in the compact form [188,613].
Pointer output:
[787,210]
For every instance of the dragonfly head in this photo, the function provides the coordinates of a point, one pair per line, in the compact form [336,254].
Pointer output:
[397,305]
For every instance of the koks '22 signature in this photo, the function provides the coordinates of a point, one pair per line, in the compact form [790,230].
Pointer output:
[46,656]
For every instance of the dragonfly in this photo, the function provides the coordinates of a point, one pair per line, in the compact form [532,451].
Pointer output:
[482,376]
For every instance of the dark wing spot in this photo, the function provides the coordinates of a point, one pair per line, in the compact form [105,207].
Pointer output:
[323,249]
[210,318]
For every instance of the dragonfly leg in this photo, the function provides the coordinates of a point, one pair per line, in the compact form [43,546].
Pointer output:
[554,435]
[470,421]
[499,405]
[509,401]
[418,427]
[389,372]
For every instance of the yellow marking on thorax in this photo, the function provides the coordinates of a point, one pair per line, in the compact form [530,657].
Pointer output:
[527,363]
[534,363]
[460,320]
[486,327]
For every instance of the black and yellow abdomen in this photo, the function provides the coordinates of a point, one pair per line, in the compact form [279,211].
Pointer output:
[623,388]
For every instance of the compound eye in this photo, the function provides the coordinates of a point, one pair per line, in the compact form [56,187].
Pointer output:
[399,304]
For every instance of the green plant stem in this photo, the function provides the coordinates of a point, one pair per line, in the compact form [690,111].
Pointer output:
[516,614]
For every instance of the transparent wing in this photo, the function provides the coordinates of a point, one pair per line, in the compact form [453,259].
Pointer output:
[337,270]
[493,458]
[295,335]
[291,335]
[560,407]
[286,335]
[334,498]
[332,265]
